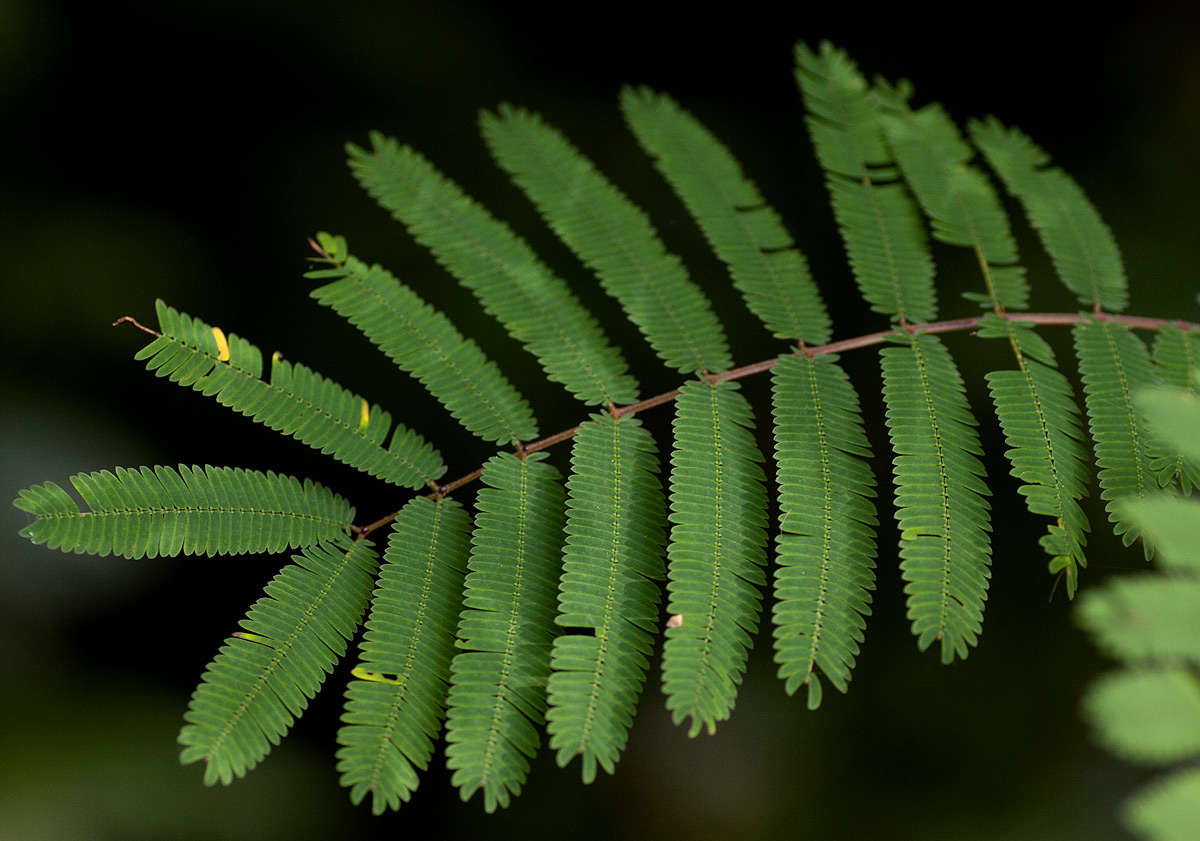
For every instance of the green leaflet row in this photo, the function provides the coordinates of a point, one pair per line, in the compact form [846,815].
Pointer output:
[609,592]
[295,400]
[510,281]
[396,701]
[148,512]
[423,342]
[265,674]
[529,615]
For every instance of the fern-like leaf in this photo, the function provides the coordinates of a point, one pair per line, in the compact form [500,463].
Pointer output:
[716,552]
[1176,355]
[878,220]
[1082,247]
[746,233]
[497,697]
[423,342]
[296,401]
[147,512]
[842,119]
[958,199]
[827,539]
[264,676]
[941,502]
[613,237]
[1114,363]
[1034,403]
[1042,427]
[510,281]
[396,702]
[609,594]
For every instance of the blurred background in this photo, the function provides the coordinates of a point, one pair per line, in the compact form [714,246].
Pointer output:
[185,150]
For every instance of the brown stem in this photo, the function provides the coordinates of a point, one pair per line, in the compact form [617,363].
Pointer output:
[312,243]
[131,320]
[950,326]
[954,325]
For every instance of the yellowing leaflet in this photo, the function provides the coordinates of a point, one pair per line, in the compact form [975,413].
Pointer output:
[222,345]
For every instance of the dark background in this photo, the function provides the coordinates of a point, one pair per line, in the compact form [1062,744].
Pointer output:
[186,150]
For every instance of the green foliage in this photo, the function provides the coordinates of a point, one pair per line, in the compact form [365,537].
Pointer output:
[742,229]
[265,674]
[609,593]
[958,198]
[512,283]
[1113,363]
[613,237]
[1080,244]
[498,682]
[826,545]
[1176,353]
[295,401]
[715,555]
[423,342]
[882,230]
[542,611]
[148,512]
[940,490]
[1149,710]
[1034,403]
[397,698]
[1141,618]
[1037,411]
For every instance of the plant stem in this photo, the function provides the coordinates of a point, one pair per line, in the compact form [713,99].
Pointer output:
[952,326]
